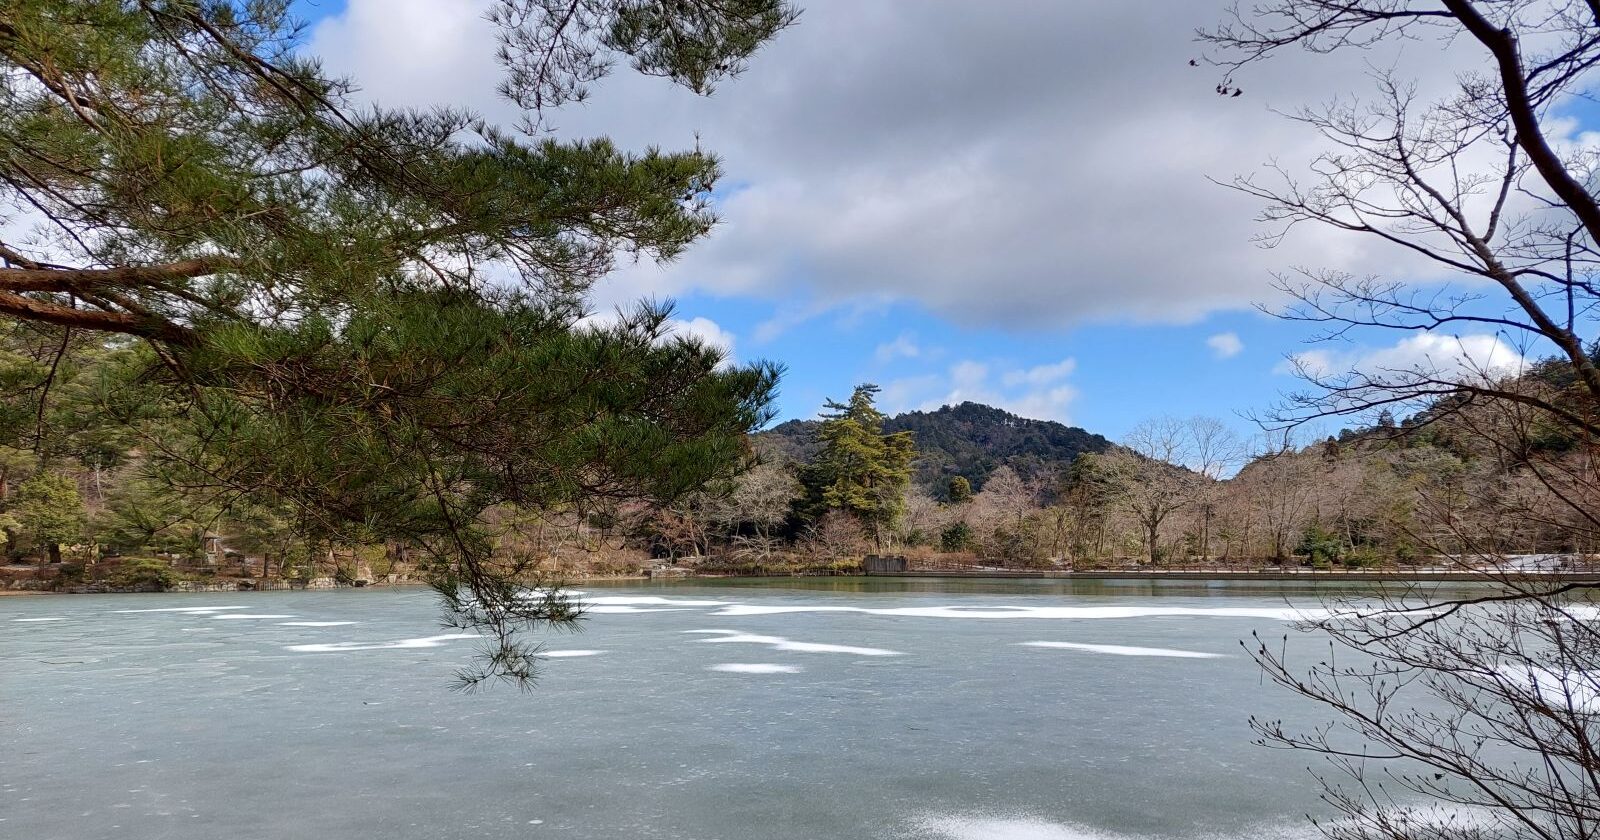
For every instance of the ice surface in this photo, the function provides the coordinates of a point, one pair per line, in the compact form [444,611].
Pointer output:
[964,736]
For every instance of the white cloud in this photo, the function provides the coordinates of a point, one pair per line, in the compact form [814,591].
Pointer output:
[1037,393]
[967,376]
[1225,345]
[1074,191]
[413,52]
[1041,375]
[909,392]
[1467,357]
[904,346]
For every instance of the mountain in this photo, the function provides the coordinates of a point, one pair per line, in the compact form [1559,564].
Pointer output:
[969,440]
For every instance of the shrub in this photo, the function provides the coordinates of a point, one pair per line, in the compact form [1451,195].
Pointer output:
[143,573]
[1320,545]
[957,536]
[1364,557]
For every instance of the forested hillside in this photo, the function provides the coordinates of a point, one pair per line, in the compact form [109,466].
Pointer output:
[968,440]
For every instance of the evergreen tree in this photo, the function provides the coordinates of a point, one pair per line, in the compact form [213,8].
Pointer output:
[960,490]
[860,469]
[372,316]
[49,511]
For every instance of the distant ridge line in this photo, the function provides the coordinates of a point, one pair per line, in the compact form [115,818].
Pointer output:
[968,439]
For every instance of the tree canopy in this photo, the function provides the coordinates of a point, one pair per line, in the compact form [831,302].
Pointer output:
[49,511]
[860,469]
[375,316]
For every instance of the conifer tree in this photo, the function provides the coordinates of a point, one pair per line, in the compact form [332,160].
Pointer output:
[861,470]
[49,511]
[960,490]
[374,316]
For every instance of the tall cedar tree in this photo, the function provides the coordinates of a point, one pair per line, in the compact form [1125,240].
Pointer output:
[373,315]
[861,470]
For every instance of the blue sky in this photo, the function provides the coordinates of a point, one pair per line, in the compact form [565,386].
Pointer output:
[962,203]
[1123,373]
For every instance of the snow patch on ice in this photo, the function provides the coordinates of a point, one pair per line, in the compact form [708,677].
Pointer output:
[248,615]
[1125,650]
[398,644]
[647,600]
[1579,690]
[312,623]
[1427,820]
[1024,827]
[754,668]
[780,643]
[563,654]
[1003,828]
[1001,611]
[1580,612]
[38,619]
[190,610]
[613,609]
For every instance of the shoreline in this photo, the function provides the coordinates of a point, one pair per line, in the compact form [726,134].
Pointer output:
[255,587]
[1374,575]
[1217,575]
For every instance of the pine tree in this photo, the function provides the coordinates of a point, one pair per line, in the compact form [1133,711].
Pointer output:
[960,490]
[49,511]
[373,316]
[861,470]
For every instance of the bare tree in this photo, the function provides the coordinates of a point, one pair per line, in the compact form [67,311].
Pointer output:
[1151,481]
[763,497]
[834,535]
[1279,487]
[1006,498]
[922,518]
[1215,452]
[1166,465]
[1477,184]
[1488,702]
[1489,706]
[1004,508]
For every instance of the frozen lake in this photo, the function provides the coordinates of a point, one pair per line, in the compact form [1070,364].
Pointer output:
[746,710]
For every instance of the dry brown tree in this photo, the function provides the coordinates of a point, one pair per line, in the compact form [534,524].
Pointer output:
[1166,465]
[1457,715]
